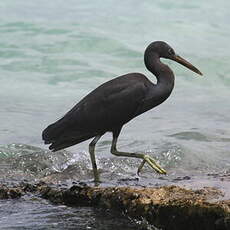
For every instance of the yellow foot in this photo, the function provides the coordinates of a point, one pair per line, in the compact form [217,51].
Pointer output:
[153,164]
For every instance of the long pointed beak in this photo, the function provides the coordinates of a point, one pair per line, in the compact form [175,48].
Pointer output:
[185,63]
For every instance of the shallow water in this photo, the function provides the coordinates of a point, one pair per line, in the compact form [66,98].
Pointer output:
[53,54]
[34,213]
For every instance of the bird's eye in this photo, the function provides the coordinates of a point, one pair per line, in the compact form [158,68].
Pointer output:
[171,51]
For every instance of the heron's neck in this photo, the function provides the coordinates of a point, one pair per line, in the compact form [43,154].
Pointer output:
[164,75]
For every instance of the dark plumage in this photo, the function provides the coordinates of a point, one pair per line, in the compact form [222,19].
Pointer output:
[114,103]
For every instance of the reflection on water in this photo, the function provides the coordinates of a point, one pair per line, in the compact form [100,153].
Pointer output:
[29,213]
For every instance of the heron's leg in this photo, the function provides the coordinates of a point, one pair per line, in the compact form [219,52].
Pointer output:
[146,158]
[92,156]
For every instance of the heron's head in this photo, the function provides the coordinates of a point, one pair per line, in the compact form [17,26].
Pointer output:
[163,50]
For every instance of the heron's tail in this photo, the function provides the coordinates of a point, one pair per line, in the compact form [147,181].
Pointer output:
[52,132]
[62,143]
[60,136]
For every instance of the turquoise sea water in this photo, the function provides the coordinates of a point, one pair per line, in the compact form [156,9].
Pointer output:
[52,53]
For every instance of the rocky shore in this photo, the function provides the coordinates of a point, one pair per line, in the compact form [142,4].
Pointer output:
[167,207]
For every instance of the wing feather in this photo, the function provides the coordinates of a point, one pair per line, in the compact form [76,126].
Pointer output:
[109,106]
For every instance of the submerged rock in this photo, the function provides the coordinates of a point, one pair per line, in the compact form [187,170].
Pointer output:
[168,207]
[9,193]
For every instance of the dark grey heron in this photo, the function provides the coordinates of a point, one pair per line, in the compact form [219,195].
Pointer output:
[114,103]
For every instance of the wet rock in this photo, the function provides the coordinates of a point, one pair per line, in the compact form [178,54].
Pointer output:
[223,223]
[9,193]
[167,207]
[27,187]
[182,178]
